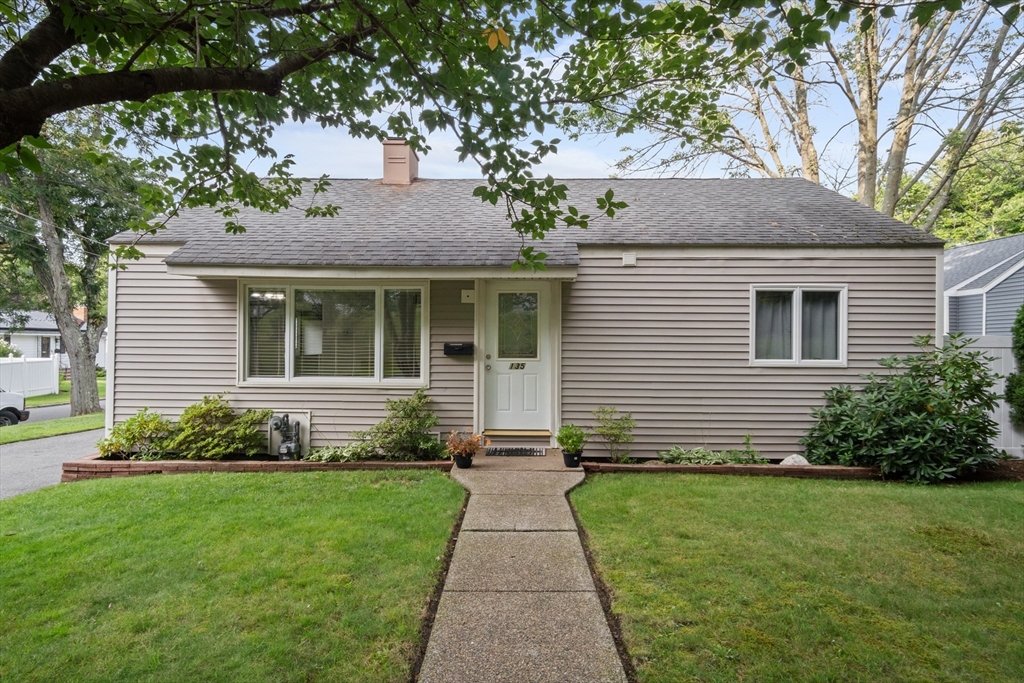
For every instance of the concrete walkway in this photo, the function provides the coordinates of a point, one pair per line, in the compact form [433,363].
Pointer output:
[519,603]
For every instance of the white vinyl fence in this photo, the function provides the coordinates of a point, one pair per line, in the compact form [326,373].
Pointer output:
[1010,439]
[30,376]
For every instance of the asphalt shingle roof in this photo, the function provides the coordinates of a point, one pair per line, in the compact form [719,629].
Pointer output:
[963,263]
[440,223]
[35,321]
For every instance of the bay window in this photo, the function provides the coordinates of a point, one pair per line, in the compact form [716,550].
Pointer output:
[363,334]
[798,325]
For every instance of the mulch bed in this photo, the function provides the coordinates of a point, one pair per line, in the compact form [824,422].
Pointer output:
[92,467]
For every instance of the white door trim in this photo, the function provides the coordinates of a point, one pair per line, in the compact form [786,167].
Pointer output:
[553,345]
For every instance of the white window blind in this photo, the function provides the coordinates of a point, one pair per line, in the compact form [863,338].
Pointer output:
[266,332]
[338,333]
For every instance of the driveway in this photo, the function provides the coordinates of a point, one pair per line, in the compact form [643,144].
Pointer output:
[54,412]
[30,465]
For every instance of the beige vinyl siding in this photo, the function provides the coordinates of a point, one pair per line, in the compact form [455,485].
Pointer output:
[177,339]
[669,340]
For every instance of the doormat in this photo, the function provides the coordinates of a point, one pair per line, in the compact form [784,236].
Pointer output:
[539,452]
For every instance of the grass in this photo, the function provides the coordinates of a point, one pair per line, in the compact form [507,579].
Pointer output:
[222,577]
[64,396]
[749,579]
[39,430]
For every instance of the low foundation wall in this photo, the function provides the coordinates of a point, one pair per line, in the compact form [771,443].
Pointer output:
[1007,470]
[802,471]
[91,467]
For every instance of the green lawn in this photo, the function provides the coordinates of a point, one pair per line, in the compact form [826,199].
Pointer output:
[222,577]
[64,396]
[38,430]
[751,579]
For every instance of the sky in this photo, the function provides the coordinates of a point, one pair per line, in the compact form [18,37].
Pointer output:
[333,152]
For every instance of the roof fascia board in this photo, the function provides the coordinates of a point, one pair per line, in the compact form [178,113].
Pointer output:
[991,285]
[370,273]
[961,287]
[668,251]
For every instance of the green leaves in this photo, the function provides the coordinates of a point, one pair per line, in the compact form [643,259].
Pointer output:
[926,421]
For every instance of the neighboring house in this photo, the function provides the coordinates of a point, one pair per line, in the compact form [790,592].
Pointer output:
[40,338]
[37,338]
[710,309]
[984,291]
[984,286]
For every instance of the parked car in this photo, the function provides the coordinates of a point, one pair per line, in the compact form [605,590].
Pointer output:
[12,408]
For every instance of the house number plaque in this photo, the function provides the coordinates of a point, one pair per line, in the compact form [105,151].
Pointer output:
[517,366]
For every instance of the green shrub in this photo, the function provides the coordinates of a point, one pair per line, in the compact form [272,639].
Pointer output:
[404,434]
[8,350]
[141,437]
[748,455]
[210,430]
[571,438]
[616,431]
[926,421]
[347,453]
[1015,382]
[677,455]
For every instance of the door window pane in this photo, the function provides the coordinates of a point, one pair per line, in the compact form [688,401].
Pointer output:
[773,326]
[517,324]
[820,323]
[266,323]
[403,312]
[335,333]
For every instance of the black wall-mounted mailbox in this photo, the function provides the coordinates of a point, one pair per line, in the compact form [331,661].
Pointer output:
[458,348]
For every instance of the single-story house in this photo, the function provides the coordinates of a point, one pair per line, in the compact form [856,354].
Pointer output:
[710,309]
[984,290]
[38,337]
[984,286]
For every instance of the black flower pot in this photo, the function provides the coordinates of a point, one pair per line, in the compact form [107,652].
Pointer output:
[572,459]
[463,461]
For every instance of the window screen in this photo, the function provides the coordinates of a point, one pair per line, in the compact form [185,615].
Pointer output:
[820,326]
[403,313]
[335,333]
[266,322]
[773,326]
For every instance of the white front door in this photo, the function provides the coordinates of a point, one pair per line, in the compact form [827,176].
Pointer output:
[518,356]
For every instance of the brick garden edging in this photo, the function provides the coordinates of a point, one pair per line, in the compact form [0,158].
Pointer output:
[801,471]
[91,467]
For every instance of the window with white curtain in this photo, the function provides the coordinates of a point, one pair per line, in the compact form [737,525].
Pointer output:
[798,325]
[359,334]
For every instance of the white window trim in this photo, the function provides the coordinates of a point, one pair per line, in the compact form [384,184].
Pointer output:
[798,290]
[289,379]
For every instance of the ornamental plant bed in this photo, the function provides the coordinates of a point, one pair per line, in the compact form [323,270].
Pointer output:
[801,471]
[95,467]
[1004,470]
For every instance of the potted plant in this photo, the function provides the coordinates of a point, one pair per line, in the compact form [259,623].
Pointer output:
[462,446]
[572,439]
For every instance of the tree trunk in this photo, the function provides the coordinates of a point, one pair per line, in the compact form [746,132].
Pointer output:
[81,354]
[804,132]
[905,117]
[867,118]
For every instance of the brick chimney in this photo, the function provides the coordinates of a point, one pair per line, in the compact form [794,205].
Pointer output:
[401,165]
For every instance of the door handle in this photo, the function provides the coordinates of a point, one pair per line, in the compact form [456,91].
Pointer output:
[488,367]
